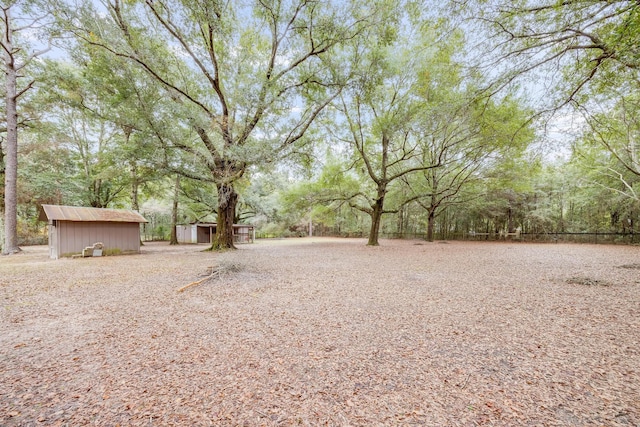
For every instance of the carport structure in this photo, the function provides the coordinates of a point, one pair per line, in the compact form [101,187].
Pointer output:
[204,233]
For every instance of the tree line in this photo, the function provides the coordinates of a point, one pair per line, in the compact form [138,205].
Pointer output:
[359,117]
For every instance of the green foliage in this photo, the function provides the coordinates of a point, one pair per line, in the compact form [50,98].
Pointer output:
[354,112]
[111,251]
[593,43]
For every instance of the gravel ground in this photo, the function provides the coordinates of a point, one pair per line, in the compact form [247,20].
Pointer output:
[324,332]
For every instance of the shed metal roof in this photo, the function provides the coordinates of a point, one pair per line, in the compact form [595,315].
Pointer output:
[84,214]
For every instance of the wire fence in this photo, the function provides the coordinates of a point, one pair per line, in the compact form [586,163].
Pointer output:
[581,237]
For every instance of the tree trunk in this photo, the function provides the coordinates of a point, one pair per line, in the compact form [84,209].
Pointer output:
[2,188]
[1,198]
[561,214]
[400,226]
[376,220]
[431,221]
[135,186]
[133,170]
[11,147]
[174,213]
[96,194]
[510,227]
[227,200]
[433,205]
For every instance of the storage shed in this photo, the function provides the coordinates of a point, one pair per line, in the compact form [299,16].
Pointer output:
[204,232]
[73,228]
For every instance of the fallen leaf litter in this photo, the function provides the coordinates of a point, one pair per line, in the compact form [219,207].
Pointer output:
[323,332]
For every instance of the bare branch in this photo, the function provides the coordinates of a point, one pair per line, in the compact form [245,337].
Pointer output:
[180,38]
[26,88]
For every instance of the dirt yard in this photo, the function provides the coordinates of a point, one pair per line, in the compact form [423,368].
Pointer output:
[324,332]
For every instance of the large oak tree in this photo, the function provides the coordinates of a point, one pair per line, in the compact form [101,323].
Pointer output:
[249,79]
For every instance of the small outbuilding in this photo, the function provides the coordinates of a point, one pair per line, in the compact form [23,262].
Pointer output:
[72,229]
[204,232]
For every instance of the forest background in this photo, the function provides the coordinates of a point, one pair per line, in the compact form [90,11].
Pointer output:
[388,117]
